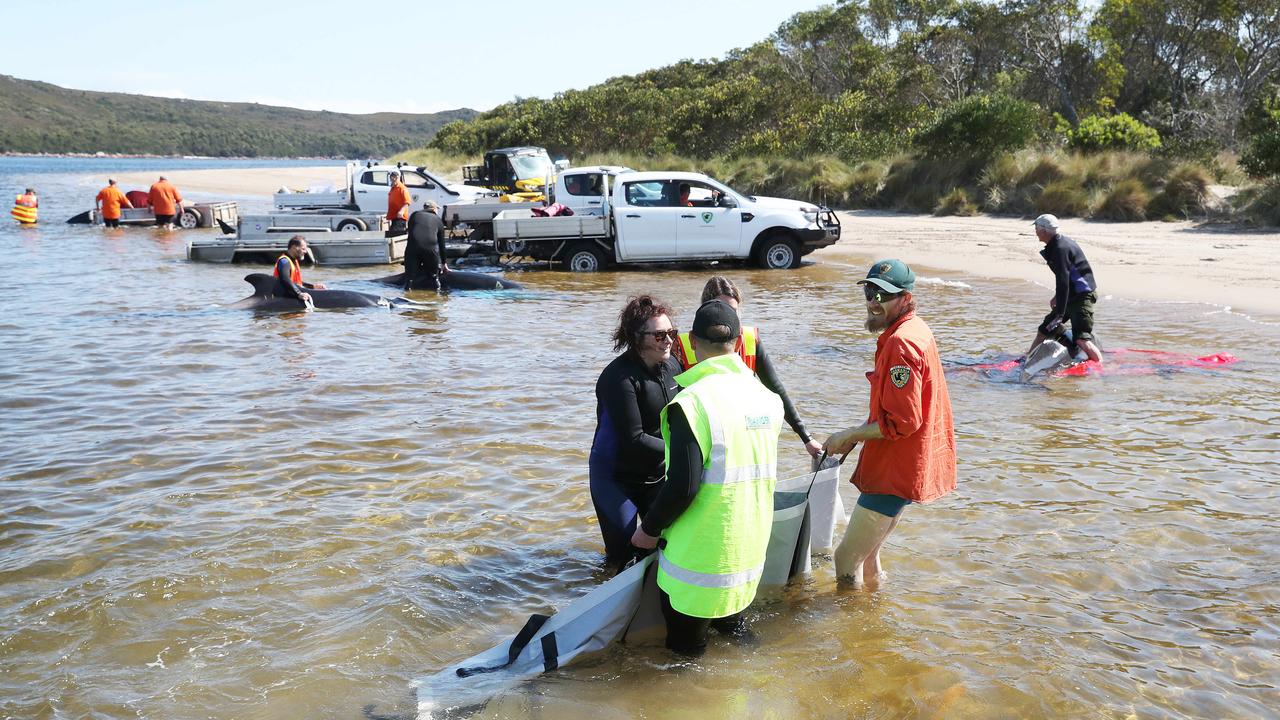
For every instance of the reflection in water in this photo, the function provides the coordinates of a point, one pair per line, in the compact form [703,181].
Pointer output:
[176,541]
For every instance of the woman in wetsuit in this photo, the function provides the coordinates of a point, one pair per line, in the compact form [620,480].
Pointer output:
[626,464]
[752,352]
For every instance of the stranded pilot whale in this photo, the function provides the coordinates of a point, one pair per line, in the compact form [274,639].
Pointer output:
[454,280]
[264,297]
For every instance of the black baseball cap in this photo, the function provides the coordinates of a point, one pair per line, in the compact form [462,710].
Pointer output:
[713,313]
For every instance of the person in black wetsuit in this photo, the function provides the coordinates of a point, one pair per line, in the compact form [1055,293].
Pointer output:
[424,257]
[751,350]
[626,464]
[288,272]
[1074,289]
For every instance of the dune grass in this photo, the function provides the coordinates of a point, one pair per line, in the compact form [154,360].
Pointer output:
[1119,186]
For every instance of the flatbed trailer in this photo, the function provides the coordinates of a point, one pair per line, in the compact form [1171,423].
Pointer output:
[193,215]
[324,248]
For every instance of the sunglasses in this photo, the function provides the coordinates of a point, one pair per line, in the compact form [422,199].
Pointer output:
[880,296]
[670,335]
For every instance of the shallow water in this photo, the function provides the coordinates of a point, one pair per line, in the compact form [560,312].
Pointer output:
[216,514]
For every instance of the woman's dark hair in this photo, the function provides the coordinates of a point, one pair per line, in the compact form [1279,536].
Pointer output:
[720,285]
[634,316]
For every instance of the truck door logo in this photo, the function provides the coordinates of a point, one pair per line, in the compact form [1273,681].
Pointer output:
[706,217]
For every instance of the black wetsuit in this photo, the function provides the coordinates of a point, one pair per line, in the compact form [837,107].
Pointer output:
[626,465]
[769,378]
[424,253]
[1074,289]
[285,286]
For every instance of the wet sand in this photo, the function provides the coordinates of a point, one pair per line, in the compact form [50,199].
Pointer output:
[1175,262]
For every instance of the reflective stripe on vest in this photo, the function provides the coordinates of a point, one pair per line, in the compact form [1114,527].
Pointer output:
[746,348]
[295,270]
[24,208]
[714,553]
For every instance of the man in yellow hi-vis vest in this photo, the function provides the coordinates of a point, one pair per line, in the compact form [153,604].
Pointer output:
[715,509]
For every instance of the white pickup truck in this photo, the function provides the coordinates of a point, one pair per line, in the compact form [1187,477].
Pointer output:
[580,189]
[644,220]
[366,195]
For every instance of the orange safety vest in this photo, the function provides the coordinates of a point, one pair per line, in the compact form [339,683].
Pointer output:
[295,270]
[746,348]
[24,208]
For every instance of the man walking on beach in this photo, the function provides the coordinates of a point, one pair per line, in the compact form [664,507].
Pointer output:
[424,254]
[1074,293]
[165,202]
[715,509]
[108,203]
[398,201]
[909,448]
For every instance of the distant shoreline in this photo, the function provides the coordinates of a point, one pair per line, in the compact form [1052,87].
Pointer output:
[131,156]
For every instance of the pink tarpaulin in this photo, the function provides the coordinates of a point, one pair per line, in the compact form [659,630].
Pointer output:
[1125,361]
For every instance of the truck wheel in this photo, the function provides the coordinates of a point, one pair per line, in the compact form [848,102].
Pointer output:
[584,257]
[778,252]
[189,219]
[352,225]
[514,247]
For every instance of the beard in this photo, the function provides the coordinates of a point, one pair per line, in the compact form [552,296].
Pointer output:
[879,323]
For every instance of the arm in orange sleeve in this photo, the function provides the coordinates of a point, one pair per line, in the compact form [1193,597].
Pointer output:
[177,196]
[97,202]
[124,200]
[901,410]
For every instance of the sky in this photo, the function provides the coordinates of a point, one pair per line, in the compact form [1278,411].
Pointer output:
[361,57]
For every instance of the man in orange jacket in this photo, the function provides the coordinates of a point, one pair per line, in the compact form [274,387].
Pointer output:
[108,203]
[398,201]
[909,450]
[166,202]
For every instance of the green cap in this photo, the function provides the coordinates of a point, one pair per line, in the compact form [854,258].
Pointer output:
[891,275]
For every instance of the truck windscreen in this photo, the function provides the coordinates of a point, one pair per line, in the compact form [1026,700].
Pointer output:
[529,167]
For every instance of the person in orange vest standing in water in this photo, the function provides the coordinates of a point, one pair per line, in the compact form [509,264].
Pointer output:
[288,271]
[398,201]
[166,202]
[108,203]
[25,207]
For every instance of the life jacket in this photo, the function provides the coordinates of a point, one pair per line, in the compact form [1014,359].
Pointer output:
[713,556]
[295,270]
[24,208]
[746,348]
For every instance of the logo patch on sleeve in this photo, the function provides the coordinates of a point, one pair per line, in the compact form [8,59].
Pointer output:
[900,375]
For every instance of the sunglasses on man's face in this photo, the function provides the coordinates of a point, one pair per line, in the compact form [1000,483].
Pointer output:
[880,296]
[658,335]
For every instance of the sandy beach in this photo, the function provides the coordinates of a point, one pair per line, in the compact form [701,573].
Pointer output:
[1178,261]
[258,181]
[1170,261]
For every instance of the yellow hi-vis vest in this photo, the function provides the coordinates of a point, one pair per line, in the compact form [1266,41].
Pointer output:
[746,348]
[714,553]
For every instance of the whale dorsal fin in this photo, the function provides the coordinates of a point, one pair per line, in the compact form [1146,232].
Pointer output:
[263,284]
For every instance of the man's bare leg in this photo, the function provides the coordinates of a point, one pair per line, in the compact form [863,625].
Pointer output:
[871,570]
[1090,349]
[862,540]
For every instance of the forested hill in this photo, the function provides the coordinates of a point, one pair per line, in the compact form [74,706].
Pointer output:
[37,117]
[870,78]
